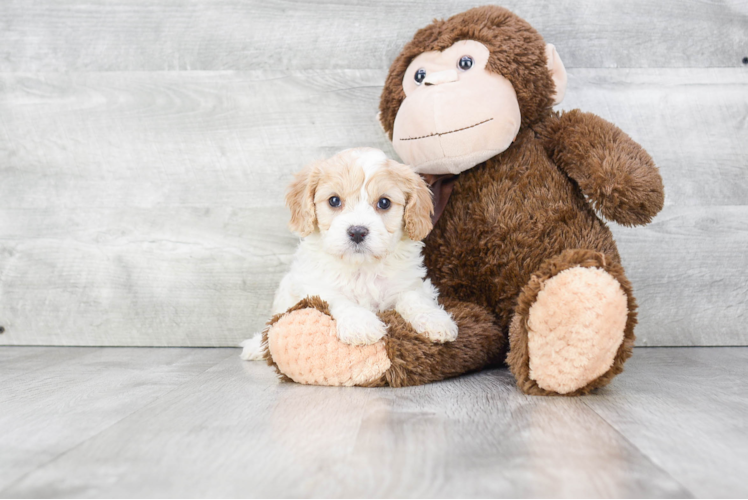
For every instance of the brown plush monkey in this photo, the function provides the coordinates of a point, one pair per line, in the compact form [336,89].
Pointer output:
[528,269]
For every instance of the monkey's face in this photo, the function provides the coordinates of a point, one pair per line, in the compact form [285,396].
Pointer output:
[456,113]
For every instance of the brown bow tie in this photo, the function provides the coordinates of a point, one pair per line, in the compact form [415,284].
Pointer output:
[441,187]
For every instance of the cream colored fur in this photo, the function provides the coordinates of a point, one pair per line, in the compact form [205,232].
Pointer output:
[383,272]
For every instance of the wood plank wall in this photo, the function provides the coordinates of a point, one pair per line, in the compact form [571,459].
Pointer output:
[145,146]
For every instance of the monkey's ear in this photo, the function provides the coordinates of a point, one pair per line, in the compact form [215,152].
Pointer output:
[300,200]
[381,123]
[558,72]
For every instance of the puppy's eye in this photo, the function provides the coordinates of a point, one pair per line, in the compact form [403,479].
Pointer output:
[465,63]
[334,201]
[384,204]
[420,76]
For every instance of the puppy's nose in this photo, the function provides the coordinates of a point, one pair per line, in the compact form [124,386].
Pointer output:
[357,233]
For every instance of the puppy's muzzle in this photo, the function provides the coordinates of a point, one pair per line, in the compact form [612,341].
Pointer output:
[357,233]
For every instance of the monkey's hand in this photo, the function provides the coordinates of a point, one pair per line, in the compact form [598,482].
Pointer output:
[615,173]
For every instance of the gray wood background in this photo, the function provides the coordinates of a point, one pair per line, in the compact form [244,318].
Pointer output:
[145,146]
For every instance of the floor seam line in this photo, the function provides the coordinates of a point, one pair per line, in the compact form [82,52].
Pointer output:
[626,439]
[93,350]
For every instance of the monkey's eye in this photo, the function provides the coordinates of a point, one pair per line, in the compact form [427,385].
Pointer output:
[420,76]
[465,63]
[384,204]
[334,201]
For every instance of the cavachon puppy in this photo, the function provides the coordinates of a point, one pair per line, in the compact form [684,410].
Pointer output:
[361,217]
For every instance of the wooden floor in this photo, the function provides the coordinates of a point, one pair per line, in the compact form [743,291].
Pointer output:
[188,422]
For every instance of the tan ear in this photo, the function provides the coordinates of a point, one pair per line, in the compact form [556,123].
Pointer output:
[418,208]
[300,200]
[558,72]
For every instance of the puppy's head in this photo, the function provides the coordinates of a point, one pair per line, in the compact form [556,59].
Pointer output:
[361,202]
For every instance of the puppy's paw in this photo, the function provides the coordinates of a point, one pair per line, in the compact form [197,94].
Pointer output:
[360,327]
[253,349]
[436,324]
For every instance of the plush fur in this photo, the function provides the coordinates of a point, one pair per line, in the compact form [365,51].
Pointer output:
[306,350]
[513,224]
[519,355]
[296,343]
[616,174]
[575,328]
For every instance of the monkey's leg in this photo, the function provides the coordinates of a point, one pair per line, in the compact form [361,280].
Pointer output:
[573,326]
[303,347]
[416,360]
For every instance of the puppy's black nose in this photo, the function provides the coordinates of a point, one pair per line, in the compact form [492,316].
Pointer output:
[357,233]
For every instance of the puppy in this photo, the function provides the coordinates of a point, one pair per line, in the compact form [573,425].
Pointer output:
[361,217]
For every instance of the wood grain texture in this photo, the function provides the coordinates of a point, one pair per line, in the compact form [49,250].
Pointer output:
[689,269]
[235,431]
[142,35]
[686,410]
[23,361]
[214,139]
[47,412]
[142,277]
[175,139]
[145,208]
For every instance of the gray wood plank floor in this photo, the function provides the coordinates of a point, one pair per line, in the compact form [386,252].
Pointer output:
[150,422]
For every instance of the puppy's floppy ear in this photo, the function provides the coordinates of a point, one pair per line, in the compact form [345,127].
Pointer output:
[300,200]
[418,206]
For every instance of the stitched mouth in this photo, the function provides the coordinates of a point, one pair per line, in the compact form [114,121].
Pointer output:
[439,134]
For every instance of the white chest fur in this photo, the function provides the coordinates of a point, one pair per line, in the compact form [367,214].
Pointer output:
[372,285]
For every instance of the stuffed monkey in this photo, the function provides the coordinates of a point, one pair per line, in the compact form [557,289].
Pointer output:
[519,251]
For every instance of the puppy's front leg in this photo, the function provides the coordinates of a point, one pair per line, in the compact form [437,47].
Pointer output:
[426,316]
[356,325]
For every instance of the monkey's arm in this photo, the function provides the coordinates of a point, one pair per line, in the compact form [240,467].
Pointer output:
[615,173]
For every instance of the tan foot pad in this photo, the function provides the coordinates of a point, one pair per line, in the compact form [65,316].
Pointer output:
[305,347]
[575,328]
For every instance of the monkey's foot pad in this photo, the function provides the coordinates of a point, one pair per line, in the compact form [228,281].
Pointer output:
[305,347]
[575,328]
